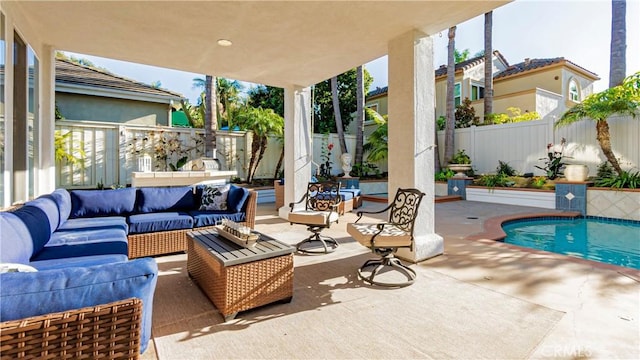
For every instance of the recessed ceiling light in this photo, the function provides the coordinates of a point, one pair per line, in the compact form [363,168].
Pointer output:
[224,42]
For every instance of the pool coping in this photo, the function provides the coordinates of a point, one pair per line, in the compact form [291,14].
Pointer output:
[494,235]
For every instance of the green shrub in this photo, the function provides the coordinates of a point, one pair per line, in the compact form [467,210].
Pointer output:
[444,174]
[441,122]
[491,181]
[465,115]
[505,168]
[605,171]
[626,179]
[460,157]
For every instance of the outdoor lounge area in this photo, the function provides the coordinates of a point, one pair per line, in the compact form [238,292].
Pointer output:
[481,299]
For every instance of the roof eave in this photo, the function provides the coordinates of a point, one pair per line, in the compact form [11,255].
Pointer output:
[114,93]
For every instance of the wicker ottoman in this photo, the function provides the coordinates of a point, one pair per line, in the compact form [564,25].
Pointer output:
[237,279]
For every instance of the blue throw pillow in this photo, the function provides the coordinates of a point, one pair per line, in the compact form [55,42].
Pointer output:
[236,198]
[155,199]
[89,203]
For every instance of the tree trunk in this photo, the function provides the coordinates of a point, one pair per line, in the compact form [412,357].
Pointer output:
[279,165]
[451,115]
[336,111]
[604,139]
[210,118]
[263,149]
[617,60]
[255,147]
[488,64]
[360,117]
[436,153]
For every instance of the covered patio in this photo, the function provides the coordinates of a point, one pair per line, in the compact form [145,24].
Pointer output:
[288,44]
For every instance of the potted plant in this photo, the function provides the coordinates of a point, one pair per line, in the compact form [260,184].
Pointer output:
[460,163]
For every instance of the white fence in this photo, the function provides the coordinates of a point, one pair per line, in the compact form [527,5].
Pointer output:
[522,145]
[112,150]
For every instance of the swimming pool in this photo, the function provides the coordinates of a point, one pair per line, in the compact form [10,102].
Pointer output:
[609,241]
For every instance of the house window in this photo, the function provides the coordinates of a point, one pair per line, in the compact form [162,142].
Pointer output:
[574,93]
[477,92]
[373,107]
[457,94]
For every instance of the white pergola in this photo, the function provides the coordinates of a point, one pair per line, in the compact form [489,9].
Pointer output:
[289,44]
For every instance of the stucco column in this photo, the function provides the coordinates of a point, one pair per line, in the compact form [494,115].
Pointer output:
[297,143]
[46,169]
[411,134]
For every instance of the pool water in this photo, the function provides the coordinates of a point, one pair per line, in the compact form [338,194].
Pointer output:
[598,239]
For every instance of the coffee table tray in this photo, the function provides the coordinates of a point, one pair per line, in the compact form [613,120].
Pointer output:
[247,242]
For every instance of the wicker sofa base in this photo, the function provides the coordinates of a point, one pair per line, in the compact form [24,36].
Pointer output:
[241,287]
[109,331]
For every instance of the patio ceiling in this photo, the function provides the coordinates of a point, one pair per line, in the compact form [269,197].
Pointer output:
[279,43]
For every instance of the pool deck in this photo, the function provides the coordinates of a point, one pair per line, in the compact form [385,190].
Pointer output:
[599,304]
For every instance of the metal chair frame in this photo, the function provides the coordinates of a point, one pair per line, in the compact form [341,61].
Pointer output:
[403,212]
[320,196]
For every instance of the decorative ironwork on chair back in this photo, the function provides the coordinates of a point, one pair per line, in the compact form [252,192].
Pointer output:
[321,196]
[404,209]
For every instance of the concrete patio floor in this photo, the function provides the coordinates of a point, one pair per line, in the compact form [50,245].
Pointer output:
[594,310]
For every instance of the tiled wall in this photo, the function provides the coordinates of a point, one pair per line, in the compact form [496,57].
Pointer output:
[613,203]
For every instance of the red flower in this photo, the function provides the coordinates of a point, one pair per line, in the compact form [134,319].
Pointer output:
[330,146]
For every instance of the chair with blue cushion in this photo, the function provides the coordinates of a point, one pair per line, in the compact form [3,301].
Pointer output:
[385,238]
[321,203]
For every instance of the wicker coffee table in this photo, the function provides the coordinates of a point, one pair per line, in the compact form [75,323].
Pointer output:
[237,278]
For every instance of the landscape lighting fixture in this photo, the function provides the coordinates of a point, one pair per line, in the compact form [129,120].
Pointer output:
[225,42]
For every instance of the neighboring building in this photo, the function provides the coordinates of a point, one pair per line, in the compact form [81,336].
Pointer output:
[88,94]
[548,86]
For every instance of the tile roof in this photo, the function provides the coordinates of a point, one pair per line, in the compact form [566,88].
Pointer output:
[71,73]
[464,65]
[532,64]
[378,91]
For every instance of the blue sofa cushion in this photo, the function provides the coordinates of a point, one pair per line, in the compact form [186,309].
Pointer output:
[236,198]
[355,192]
[50,209]
[156,199]
[16,245]
[161,221]
[106,222]
[78,261]
[86,235]
[28,230]
[62,198]
[91,203]
[31,294]
[108,246]
[210,218]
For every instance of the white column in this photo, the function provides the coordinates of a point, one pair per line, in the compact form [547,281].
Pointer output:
[411,134]
[297,144]
[46,175]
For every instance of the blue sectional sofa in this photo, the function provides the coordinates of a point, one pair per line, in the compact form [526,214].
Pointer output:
[69,250]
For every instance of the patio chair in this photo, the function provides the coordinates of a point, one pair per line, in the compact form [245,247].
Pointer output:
[385,238]
[321,202]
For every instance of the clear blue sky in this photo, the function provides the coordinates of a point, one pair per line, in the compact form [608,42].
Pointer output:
[578,30]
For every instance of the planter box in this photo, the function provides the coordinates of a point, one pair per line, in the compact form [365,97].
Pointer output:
[525,197]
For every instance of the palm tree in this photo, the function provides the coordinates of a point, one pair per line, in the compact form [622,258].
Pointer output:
[451,119]
[262,122]
[336,111]
[210,118]
[623,99]
[488,64]
[617,60]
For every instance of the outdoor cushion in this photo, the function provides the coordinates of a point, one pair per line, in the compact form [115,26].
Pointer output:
[163,221]
[312,217]
[214,197]
[355,192]
[24,233]
[90,203]
[86,235]
[391,235]
[84,261]
[50,209]
[106,222]
[156,199]
[236,198]
[36,293]
[62,198]
[107,246]
[210,218]
[346,195]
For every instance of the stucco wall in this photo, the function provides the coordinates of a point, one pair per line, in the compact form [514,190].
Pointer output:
[86,107]
[543,79]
